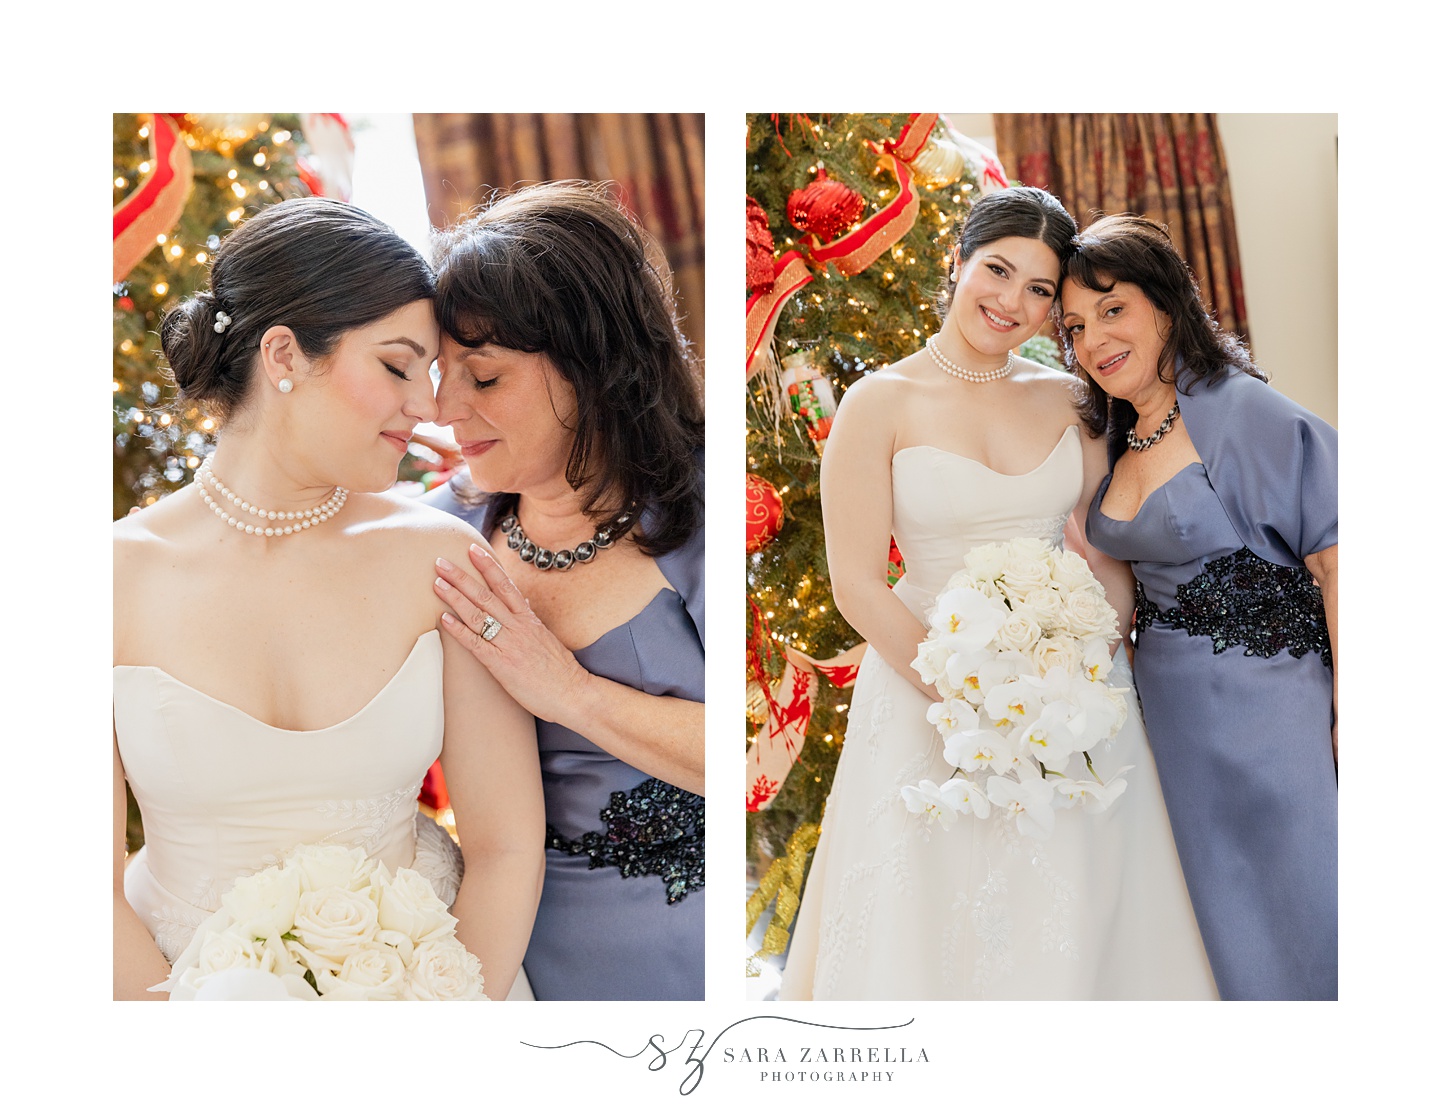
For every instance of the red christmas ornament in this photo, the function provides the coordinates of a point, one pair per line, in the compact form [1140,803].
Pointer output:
[126,303]
[434,793]
[764,513]
[825,208]
[760,249]
[896,567]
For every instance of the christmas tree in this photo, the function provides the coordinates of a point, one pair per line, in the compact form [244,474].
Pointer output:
[179,184]
[850,222]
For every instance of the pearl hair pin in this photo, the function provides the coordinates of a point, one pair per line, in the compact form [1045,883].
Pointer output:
[296,521]
[222,322]
[961,372]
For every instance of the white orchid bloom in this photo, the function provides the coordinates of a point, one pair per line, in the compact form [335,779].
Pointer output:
[993,670]
[1093,796]
[1054,735]
[1103,710]
[976,749]
[966,796]
[1097,661]
[1029,802]
[1013,703]
[952,715]
[928,797]
[970,614]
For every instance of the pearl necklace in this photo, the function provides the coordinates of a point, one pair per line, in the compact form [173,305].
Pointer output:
[967,373]
[297,521]
[1139,444]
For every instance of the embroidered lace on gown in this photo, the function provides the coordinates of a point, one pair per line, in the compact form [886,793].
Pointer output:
[895,906]
[223,795]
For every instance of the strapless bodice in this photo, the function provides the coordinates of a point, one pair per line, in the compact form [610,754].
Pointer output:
[944,504]
[223,794]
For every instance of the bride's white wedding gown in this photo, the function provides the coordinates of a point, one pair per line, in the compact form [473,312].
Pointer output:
[223,794]
[895,906]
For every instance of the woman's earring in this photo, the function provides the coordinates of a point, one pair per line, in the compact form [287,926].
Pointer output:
[284,385]
[952,275]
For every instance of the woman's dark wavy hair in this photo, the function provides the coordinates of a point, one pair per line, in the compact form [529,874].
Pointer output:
[1126,248]
[1023,211]
[560,269]
[318,266]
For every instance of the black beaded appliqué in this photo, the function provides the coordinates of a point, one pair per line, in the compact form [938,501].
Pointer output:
[1243,600]
[655,828]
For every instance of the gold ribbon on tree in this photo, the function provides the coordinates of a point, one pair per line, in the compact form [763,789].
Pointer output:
[154,206]
[782,882]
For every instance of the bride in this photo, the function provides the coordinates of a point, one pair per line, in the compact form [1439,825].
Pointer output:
[955,446]
[315,690]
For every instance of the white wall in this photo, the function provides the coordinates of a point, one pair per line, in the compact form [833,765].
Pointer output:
[1282,174]
[1282,177]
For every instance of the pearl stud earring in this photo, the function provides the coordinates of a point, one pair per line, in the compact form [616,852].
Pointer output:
[284,385]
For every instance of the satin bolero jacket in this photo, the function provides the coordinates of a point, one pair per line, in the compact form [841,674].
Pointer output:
[1272,464]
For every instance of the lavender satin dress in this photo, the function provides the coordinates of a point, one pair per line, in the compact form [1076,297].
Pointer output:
[1233,670]
[620,917]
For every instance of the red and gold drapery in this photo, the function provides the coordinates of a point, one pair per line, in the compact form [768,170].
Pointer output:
[1166,166]
[656,160]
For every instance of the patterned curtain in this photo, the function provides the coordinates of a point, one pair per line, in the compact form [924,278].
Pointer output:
[656,160]
[1169,167]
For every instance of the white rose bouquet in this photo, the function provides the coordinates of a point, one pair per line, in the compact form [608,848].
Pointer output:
[328,923]
[1018,650]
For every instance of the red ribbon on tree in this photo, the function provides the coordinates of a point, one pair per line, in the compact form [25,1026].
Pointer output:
[763,309]
[154,206]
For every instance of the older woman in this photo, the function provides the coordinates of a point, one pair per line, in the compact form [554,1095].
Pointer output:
[575,405]
[1223,496]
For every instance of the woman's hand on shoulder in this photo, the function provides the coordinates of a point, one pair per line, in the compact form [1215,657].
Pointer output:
[487,615]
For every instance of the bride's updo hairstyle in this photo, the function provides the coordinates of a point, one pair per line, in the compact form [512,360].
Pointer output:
[560,269]
[1024,211]
[318,266]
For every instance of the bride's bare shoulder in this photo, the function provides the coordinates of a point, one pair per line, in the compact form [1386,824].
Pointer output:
[1056,388]
[155,526]
[415,524]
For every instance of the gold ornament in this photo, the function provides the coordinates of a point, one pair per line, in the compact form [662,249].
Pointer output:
[940,164]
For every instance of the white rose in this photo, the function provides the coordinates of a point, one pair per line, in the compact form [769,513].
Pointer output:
[1071,571]
[333,923]
[373,973]
[1045,605]
[1024,572]
[984,563]
[443,971]
[409,905]
[1058,651]
[223,951]
[264,904]
[1088,614]
[323,866]
[1019,633]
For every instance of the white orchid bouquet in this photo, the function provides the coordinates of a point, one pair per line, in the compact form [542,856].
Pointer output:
[1018,649]
[328,923]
